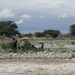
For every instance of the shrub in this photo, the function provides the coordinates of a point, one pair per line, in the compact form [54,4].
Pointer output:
[39,34]
[6,45]
[29,34]
[72,42]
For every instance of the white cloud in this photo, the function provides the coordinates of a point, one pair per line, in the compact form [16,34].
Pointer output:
[42,16]
[6,13]
[19,22]
[26,16]
[63,16]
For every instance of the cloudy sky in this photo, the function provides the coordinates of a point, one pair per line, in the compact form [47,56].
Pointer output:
[38,15]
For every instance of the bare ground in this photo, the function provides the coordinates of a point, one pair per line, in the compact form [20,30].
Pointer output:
[37,67]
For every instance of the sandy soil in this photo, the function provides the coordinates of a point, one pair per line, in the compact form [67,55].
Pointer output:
[37,67]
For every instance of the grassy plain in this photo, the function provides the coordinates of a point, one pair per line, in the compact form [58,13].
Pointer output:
[53,49]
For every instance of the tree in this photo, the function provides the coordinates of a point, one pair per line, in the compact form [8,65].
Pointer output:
[39,34]
[53,33]
[8,23]
[8,31]
[14,25]
[8,28]
[72,30]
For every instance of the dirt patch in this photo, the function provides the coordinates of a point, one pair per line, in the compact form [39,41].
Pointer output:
[37,67]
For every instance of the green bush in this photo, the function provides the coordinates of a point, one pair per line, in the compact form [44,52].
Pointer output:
[73,56]
[29,34]
[73,43]
[3,45]
[39,34]
[6,45]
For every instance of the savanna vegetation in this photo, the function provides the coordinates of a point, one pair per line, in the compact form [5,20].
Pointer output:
[45,45]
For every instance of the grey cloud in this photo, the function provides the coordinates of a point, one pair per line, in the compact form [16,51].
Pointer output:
[50,7]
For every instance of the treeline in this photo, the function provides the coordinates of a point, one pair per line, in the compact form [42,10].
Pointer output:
[9,28]
[53,33]
[45,33]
